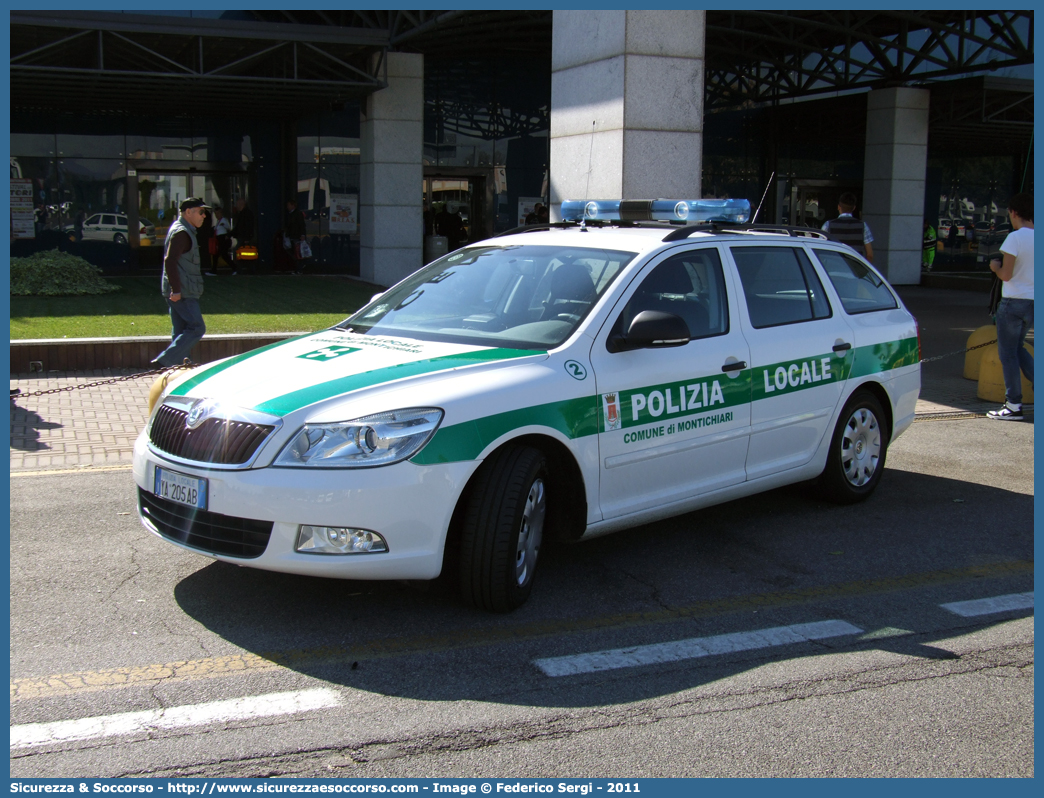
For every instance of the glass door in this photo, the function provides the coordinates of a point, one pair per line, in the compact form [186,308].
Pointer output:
[160,194]
[455,208]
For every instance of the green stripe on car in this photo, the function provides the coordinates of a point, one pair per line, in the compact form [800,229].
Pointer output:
[295,400]
[574,418]
[885,357]
[577,418]
[210,371]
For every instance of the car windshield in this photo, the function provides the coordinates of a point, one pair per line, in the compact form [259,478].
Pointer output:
[521,296]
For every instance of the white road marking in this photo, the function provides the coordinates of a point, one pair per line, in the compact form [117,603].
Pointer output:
[989,606]
[259,706]
[693,648]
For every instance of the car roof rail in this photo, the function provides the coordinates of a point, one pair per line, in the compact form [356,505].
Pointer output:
[737,227]
[533,228]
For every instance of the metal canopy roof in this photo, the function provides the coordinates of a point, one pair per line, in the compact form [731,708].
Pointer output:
[124,63]
[766,56]
[84,62]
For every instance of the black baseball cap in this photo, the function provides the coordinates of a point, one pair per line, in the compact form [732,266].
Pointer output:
[192,202]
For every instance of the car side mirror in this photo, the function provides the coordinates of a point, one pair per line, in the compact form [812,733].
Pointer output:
[651,329]
[375,297]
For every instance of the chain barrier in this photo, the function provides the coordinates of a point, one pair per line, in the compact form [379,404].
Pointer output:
[16,393]
[959,351]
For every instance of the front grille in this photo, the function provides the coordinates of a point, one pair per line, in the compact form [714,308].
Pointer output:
[216,440]
[204,530]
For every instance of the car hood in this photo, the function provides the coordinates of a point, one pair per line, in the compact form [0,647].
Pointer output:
[282,378]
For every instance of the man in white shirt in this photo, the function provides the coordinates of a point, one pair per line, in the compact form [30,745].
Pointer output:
[1015,312]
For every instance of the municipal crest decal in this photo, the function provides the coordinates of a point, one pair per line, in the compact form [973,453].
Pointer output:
[611,410]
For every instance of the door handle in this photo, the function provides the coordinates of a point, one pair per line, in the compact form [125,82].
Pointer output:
[734,366]
[842,347]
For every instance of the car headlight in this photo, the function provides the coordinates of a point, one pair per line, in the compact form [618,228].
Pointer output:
[377,440]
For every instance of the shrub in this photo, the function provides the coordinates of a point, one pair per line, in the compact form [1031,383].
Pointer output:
[54,273]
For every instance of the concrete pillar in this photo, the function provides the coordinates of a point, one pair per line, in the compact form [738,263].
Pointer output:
[894,179]
[626,105]
[391,174]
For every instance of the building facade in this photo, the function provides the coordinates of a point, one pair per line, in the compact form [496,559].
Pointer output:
[393,130]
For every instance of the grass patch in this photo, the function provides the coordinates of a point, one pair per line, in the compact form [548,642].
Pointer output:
[240,304]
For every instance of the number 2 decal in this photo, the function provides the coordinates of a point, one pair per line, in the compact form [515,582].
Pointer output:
[575,370]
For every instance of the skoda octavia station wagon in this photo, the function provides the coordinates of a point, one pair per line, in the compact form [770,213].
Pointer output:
[639,360]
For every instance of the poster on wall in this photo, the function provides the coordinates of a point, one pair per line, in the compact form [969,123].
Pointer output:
[526,206]
[344,214]
[22,208]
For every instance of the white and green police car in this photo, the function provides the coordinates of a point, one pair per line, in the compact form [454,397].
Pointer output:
[556,383]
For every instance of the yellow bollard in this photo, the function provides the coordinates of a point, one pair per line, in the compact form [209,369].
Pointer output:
[972,359]
[991,378]
[157,388]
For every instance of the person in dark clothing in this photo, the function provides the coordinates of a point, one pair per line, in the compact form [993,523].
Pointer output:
[203,236]
[533,217]
[182,282]
[244,230]
[296,232]
[244,227]
[429,220]
[849,230]
[451,226]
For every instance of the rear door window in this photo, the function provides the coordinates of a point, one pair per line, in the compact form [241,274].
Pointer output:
[780,285]
[859,287]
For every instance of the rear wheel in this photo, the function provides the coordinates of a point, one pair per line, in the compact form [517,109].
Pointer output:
[857,451]
[119,239]
[503,529]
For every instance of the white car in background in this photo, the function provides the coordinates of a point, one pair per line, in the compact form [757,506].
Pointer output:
[111,227]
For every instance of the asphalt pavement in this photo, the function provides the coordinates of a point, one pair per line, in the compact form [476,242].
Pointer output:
[131,657]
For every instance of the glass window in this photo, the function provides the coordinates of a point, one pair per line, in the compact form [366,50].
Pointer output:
[90,185]
[30,144]
[860,288]
[689,285]
[90,146]
[339,141]
[780,285]
[160,148]
[522,296]
[46,199]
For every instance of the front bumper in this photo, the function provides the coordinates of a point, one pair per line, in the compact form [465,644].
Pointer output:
[409,505]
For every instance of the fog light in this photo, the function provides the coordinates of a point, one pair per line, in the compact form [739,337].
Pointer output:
[338,540]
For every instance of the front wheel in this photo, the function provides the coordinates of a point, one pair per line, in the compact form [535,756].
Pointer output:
[857,451]
[503,529]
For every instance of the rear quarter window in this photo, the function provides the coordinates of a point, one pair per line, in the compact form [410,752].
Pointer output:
[859,287]
[780,285]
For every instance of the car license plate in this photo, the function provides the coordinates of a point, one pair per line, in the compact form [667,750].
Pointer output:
[181,488]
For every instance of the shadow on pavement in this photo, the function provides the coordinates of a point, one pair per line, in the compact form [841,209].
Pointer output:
[25,429]
[770,560]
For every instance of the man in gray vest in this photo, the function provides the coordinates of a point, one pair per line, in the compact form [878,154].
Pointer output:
[182,283]
[849,230]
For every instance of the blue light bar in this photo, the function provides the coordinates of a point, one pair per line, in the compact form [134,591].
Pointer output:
[660,210]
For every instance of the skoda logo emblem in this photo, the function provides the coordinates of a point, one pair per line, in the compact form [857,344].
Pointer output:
[200,411]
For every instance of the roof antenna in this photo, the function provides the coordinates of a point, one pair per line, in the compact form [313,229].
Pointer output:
[587,188]
[764,194]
